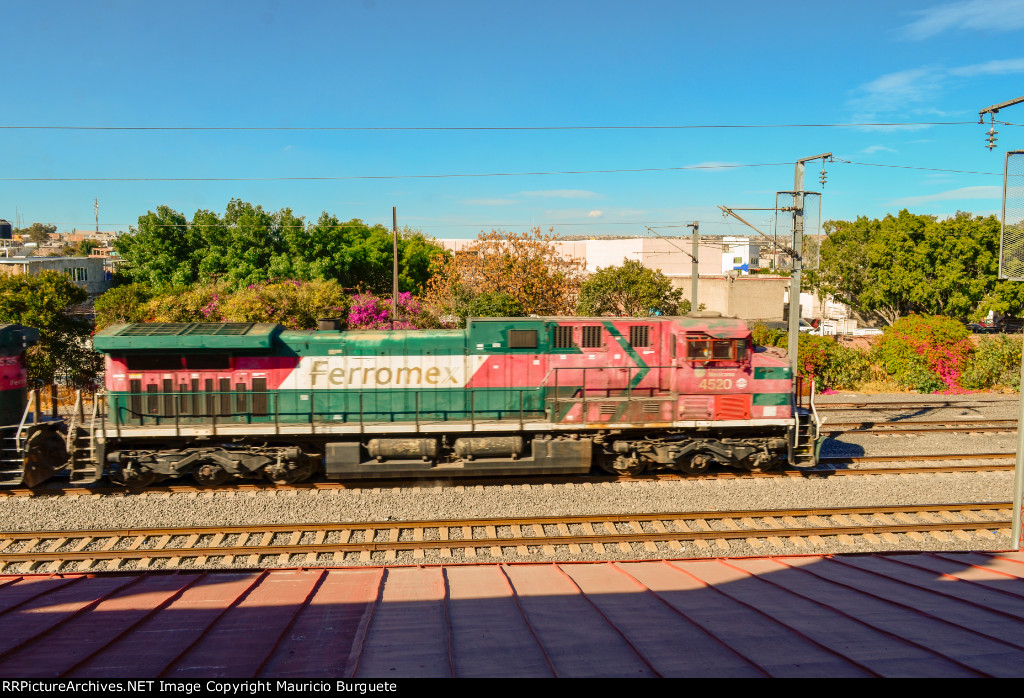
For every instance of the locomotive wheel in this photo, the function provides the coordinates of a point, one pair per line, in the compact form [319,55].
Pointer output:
[697,464]
[135,479]
[210,474]
[624,465]
[288,474]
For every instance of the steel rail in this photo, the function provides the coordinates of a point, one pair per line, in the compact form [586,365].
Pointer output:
[128,544]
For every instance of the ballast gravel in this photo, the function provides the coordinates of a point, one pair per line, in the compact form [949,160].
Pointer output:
[467,500]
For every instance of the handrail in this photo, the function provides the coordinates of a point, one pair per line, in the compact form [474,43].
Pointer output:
[24,417]
[92,427]
[814,412]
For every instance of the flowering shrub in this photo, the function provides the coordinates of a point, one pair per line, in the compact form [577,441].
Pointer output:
[764,337]
[370,312]
[830,364]
[184,304]
[928,354]
[294,304]
[996,362]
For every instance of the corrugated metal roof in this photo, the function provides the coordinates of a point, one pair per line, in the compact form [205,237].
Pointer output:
[187,335]
[920,614]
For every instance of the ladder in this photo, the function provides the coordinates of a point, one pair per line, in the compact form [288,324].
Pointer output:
[83,465]
[803,441]
[12,458]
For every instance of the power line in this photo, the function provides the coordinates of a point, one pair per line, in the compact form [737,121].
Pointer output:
[474,174]
[483,128]
[910,167]
[352,177]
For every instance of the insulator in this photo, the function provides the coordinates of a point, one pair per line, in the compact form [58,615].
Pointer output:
[992,138]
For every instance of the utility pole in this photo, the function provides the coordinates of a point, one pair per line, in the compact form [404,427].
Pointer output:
[693,255]
[1010,263]
[798,249]
[96,208]
[394,266]
[694,271]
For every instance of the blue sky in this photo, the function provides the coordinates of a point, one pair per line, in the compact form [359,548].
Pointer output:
[398,66]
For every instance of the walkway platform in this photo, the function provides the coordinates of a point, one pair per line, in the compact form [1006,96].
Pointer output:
[911,614]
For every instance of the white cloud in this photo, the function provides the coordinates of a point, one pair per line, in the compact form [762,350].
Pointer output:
[714,164]
[563,193]
[595,214]
[987,192]
[985,15]
[877,149]
[910,94]
[897,91]
[488,202]
[1003,67]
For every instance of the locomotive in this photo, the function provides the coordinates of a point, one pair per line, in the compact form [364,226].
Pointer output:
[30,451]
[501,397]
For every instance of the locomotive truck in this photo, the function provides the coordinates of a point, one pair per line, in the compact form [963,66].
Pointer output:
[502,397]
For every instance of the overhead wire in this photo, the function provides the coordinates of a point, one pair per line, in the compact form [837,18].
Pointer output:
[68,127]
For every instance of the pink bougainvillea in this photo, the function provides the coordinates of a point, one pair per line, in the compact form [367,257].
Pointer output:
[938,345]
[368,312]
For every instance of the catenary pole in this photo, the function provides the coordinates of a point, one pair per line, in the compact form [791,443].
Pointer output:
[394,265]
[798,262]
[694,267]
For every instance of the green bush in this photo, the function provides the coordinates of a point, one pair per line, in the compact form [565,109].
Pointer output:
[925,353]
[996,362]
[831,365]
[122,304]
[765,337]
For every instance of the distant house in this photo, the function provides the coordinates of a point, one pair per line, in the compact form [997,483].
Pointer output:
[86,272]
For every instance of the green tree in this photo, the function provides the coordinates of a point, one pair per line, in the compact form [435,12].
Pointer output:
[915,264]
[527,266]
[248,246]
[44,301]
[37,232]
[162,251]
[122,304]
[630,289]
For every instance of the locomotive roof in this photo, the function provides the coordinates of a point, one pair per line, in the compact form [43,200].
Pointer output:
[187,335]
[17,337]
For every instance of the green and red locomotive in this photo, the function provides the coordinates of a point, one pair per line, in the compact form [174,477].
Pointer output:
[503,396]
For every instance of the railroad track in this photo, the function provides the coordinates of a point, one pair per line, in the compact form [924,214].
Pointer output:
[921,426]
[638,535]
[921,404]
[829,465]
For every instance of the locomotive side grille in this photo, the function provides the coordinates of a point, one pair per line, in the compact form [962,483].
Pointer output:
[168,397]
[225,396]
[241,399]
[211,399]
[591,337]
[640,335]
[184,400]
[522,339]
[607,409]
[259,396]
[135,401]
[563,337]
[652,408]
[695,408]
[732,407]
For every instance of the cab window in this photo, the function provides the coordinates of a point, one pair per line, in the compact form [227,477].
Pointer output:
[704,348]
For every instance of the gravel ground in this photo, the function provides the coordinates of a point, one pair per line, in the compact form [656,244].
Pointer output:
[546,499]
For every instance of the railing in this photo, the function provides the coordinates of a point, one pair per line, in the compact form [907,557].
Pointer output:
[275,409]
[617,386]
